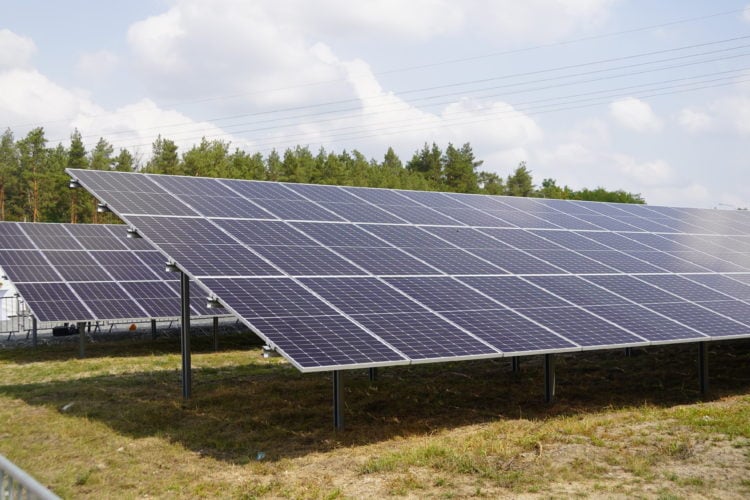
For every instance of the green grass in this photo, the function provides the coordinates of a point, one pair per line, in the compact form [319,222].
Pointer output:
[114,424]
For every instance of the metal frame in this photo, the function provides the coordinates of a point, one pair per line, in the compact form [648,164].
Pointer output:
[187,375]
[17,483]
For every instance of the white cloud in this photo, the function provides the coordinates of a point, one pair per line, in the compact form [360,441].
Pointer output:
[97,65]
[15,50]
[695,121]
[198,49]
[137,125]
[535,21]
[635,115]
[735,110]
[30,97]
[649,173]
[746,13]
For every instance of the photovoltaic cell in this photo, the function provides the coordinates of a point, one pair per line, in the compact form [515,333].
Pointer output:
[361,295]
[307,261]
[255,232]
[701,319]
[339,235]
[222,260]
[225,206]
[406,236]
[125,266]
[320,193]
[254,190]
[267,298]
[325,342]
[53,301]
[571,262]
[180,230]
[581,327]
[568,240]
[465,237]
[621,262]
[513,292]
[509,332]
[385,261]
[355,212]
[683,287]
[521,219]
[472,217]
[442,294]
[646,323]
[433,199]
[298,210]
[384,197]
[633,289]
[576,290]
[516,261]
[723,284]
[424,336]
[454,261]
[422,215]
[520,239]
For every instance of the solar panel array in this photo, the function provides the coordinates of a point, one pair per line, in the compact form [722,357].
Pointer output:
[87,272]
[339,277]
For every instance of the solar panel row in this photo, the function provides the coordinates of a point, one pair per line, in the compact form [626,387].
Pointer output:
[74,272]
[337,277]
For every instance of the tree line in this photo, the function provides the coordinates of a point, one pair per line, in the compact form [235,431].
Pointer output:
[33,183]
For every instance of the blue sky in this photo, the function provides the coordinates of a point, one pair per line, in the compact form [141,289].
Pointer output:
[651,97]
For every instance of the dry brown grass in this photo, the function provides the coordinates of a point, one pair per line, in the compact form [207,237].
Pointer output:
[114,425]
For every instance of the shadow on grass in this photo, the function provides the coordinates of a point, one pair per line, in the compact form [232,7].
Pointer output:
[129,345]
[269,407]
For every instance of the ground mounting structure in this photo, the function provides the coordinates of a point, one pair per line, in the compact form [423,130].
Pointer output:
[80,273]
[337,278]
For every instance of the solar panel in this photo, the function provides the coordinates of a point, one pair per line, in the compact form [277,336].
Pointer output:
[87,273]
[352,277]
[582,327]
[510,332]
[425,336]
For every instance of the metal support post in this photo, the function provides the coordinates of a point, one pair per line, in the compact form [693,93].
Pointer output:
[33,331]
[373,374]
[81,340]
[515,364]
[549,378]
[703,366]
[216,333]
[187,381]
[338,414]
[153,329]
[628,352]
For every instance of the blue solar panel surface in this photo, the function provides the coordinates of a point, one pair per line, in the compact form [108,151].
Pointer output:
[342,277]
[77,272]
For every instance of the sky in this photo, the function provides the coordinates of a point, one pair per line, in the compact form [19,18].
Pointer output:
[649,97]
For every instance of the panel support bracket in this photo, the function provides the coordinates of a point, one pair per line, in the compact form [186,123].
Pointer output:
[187,382]
[81,340]
[703,367]
[549,378]
[153,329]
[515,364]
[216,333]
[373,374]
[34,332]
[338,403]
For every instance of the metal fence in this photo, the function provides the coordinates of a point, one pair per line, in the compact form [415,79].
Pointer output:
[17,484]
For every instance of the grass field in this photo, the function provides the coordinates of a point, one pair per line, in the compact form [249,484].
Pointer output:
[114,425]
